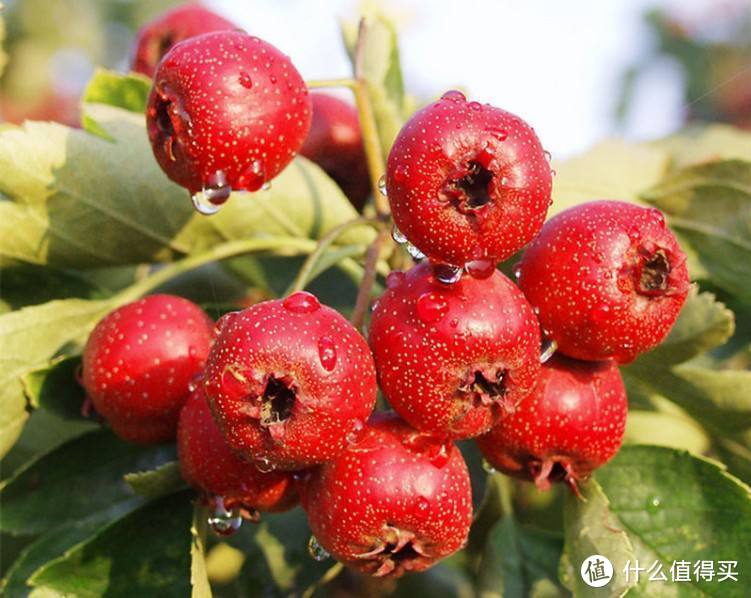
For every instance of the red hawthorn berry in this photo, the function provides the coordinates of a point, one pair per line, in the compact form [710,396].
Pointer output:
[467,181]
[452,358]
[155,38]
[288,380]
[571,424]
[209,465]
[394,501]
[607,280]
[226,111]
[335,144]
[138,363]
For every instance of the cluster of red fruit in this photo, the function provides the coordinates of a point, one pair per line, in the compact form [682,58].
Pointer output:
[276,401]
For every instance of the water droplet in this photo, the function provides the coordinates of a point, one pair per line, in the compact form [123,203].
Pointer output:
[447,274]
[316,551]
[475,106]
[195,382]
[547,155]
[658,216]
[398,236]
[223,322]
[423,504]
[245,80]
[553,172]
[440,455]
[263,464]
[548,349]
[416,254]
[600,313]
[327,353]
[382,186]
[266,186]
[517,270]
[487,467]
[454,95]
[222,521]
[301,302]
[253,177]
[481,268]
[394,279]
[353,436]
[654,503]
[431,307]
[203,204]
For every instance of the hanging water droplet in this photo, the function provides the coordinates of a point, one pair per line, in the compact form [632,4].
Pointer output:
[487,467]
[316,551]
[394,279]
[266,186]
[398,236]
[517,270]
[222,521]
[203,204]
[253,177]
[263,464]
[301,302]
[548,349]
[327,353]
[481,269]
[416,254]
[431,307]
[382,186]
[447,274]
[454,95]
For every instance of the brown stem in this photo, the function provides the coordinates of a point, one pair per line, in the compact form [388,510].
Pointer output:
[366,286]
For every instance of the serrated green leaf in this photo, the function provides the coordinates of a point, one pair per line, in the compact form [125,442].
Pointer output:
[610,170]
[127,91]
[164,479]
[516,558]
[710,206]
[703,324]
[75,480]
[146,553]
[674,506]
[665,429]
[30,337]
[703,143]
[54,386]
[592,528]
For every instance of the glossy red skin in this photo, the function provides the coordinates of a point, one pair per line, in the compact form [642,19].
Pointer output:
[219,124]
[209,465]
[268,339]
[575,419]
[582,275]
[139,361]
[390,485]
[488,326]
[335,144]
[434,147]
[155,38]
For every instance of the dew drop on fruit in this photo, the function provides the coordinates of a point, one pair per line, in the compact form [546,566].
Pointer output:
[245,80]
[223,322]
[353,436]
[414,252]
[263,464]
[423,504]
[517,270]
[394,279]
[447,274]
[195,382]
[382,185]
[316,551]
[327,353]
[301,302]
[454,95]
[480,269]
[224,522]
[475,106]
[548,350]
[431,307]
[547,155]
[398,236]
[253,177]
[487,467]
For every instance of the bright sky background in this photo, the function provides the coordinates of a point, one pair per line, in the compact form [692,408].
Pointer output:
[555,64]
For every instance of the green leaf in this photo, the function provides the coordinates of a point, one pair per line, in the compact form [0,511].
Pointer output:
[674,506]
[30,337]
[164,479]
[703,143]
[381,70]
[81,477]
[32,285]
[146,553]
[54,387]
[516,558]
[129,92]
[666,429]
[710,206]
[592,528]
[594,175]
[703,324]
